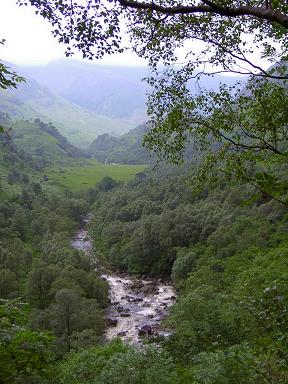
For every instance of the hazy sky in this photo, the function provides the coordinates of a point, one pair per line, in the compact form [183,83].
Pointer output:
[29,40]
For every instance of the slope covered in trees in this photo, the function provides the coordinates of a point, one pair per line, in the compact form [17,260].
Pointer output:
[226,256]
[51,298]
[228,260]
[32,100]
[126,149]
[225,248]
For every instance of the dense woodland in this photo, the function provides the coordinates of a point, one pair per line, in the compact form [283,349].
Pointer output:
[215,224]
[226,256]
[126,149]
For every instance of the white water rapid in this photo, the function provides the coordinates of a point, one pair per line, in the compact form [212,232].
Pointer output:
[138,306]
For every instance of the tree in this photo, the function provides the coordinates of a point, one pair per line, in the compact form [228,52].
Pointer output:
[156,28]
[73,319]
[8,284]
[24,354]
[86,365]
[218,124]
[140,367]
[39,281]
[8,78]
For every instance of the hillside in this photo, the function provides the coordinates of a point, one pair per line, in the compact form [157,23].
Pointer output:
[111,91]
[126,149]
[78,124]
[84,100]
[43,142]
[17,168]
[35,152]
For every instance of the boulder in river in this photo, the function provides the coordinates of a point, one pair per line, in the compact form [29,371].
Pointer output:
[121,309]
[112,322]
[148,289]
[125,314]
[145,330]
[122,333]
[137,285]
[136,299]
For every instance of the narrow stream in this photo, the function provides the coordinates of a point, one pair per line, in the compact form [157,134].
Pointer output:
[138,306]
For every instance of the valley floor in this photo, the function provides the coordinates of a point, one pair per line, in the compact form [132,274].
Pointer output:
[86,173]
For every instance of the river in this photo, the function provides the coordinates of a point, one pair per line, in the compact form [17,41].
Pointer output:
[138,306]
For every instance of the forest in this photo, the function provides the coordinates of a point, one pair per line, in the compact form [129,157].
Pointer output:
[202,206]
[227,258]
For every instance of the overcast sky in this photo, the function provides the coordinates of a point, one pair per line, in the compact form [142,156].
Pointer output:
[29,40]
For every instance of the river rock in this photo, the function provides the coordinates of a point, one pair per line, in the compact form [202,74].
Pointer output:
[145,330]
[137,285]
[136,299]
[124,314]
[112,322]
[122,333]
[121,309]
[148,289]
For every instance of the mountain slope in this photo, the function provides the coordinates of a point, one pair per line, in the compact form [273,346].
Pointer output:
[126,149]
[111,91]
[80,126]
[43,142]
[17,167]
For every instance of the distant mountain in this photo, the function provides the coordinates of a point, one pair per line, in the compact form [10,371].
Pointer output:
[126,149]
[111,91]
[84,100]
[79,125]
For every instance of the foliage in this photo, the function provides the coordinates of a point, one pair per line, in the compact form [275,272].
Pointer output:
[8,78]
[156,29]
[24,353]
[236,135]
[38,264]
[86,365]
[126,149]
[116,363]
[227,260]
[234,122]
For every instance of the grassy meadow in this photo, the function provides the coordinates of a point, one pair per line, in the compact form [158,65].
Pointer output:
[85,174]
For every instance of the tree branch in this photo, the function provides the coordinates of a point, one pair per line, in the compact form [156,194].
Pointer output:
[212,8]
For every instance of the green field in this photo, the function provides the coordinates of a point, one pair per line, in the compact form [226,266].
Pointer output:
[86,174]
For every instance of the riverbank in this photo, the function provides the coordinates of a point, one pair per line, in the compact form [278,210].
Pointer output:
[138,306]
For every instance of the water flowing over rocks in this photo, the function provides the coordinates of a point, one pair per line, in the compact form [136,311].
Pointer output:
[138,306]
